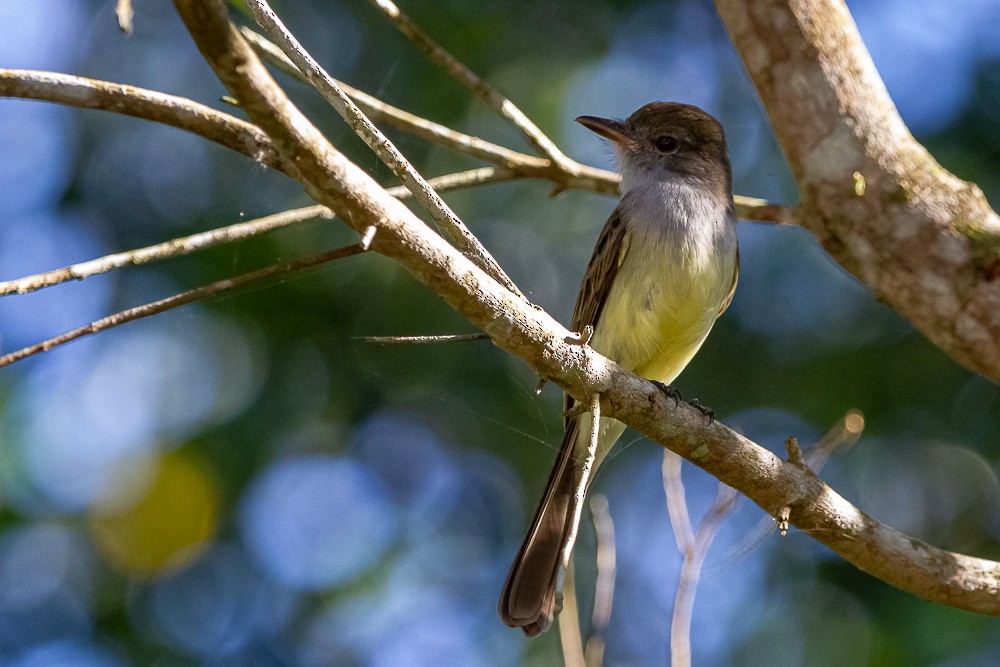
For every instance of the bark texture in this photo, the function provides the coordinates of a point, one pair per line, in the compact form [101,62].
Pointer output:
[923,240]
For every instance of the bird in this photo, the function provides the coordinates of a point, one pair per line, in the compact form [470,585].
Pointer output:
[664,268]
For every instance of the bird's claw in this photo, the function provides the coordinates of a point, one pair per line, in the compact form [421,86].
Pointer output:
[669,391]
[703,409]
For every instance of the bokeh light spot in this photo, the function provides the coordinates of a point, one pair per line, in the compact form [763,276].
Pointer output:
[43,241]
[217,606]
[166,527]
[85,416]
[45,585]
[317,521]
[416,472]
[67,653]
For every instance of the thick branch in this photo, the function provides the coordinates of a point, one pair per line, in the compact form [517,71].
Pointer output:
[923,240]
[531,334]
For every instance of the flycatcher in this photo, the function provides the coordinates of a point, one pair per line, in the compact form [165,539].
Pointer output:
[664,268]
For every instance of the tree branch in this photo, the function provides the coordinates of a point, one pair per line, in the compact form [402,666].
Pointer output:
[178,300]
[379,111]
[604,586]
[570,637]
[520,165]
[461,179]
[551,350]
[421,340]
[923,240]
[481,88]
[189,244]
[430,200]
[248,139]
[173,248]
[179,112]
[677,509]
[694,545]
[687,584]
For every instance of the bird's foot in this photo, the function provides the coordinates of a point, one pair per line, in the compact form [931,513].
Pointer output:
[669,391]
[703,409]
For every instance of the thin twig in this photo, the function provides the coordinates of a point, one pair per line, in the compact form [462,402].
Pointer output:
[456,230]
[496,101]
[604,590]
[177,300]
[680,522]
[419,340]
[172,248]
[680,627]
[570,637]
[693,546]
[569,624]
[794,451]
[844,434]
[760,210]
[841,436]
[203,240]
[588,464]
[459,180]
[368,236]
[677,510]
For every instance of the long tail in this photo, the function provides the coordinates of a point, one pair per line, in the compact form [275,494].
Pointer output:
[532,596]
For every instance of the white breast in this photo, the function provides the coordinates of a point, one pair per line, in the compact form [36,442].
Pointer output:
[673,280]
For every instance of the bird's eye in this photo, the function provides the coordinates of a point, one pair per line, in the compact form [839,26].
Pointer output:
[666,143]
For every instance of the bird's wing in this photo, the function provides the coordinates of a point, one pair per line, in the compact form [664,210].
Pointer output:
[612,245]
[608,255]
[732,290]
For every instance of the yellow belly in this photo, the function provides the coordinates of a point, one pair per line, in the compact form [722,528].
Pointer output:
[655,321]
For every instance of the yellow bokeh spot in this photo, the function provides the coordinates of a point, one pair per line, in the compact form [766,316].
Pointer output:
[165,526]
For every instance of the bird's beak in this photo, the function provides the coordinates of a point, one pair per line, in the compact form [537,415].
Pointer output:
[609,128]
